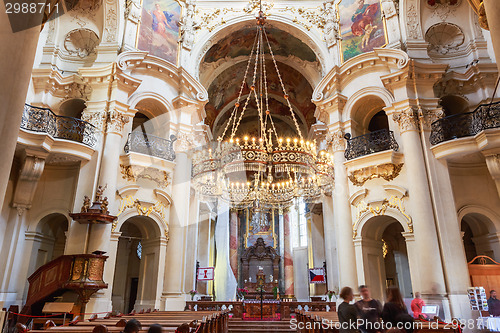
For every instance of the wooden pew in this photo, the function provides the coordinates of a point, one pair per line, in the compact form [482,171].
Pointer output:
[202,321]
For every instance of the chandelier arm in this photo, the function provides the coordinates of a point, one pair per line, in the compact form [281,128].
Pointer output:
[235,109]
[268,112]
[261,79]
[235,128]
[283,86]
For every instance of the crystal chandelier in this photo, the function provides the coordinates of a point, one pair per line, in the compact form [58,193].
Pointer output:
[267,171]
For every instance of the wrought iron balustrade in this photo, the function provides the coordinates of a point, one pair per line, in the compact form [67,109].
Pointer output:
[60,127]
[370,143]
[151,145]
[466,124]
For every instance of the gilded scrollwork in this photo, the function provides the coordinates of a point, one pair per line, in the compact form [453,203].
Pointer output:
[143,209]
[132,173]
[388,171]
[393,202]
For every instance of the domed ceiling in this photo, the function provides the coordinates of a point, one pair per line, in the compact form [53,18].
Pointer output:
[224,85]
[240,43]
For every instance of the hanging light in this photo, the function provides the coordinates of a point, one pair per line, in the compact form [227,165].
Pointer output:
[268,171]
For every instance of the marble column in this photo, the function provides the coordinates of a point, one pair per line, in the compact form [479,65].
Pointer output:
[342,216]
[429,282]
[225,281]
[492,9]
[453,253]
[331,255]
[281,238]
[16,64]
[288,255]
[100,234]
[173,295]
[233,241]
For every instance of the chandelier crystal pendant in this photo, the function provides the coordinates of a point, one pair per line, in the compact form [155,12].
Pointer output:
[263,172]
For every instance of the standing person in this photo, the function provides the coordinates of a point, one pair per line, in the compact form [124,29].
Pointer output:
[493,304]
[370,310]
[348,315]
[416,305]
[395,313]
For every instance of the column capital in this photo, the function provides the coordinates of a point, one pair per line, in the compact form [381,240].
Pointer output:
[185,141]
[116,121]
[336,140]
[407,119]
[428,116]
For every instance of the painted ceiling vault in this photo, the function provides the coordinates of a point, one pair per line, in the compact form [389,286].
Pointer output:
[240,44]
[224,87]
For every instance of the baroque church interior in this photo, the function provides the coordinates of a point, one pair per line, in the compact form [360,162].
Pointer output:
[202,155]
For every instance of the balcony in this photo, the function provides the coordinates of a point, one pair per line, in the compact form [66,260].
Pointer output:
[370,143]
[147,144]
[485,116]
[43,120]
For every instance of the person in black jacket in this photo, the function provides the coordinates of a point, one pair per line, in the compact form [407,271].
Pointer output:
[369,310]
[348,314]
[394,313]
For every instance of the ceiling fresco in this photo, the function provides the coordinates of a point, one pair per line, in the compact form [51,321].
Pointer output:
[240,43]
[224,90]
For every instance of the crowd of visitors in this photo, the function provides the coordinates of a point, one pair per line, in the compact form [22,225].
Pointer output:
[369,316]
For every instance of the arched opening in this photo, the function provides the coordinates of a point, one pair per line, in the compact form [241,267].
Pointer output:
[397,269]
[137,280]
[479,237]
[48,241]
[72,108]
[368,116]
[385,256]
[141,123]
[452,105]
[378,122]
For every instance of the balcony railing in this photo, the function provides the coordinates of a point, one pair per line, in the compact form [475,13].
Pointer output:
[466,124]
[151,145]
[370,143]
[60,127]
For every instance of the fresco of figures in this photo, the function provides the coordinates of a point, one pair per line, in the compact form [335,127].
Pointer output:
[159,29]
[362,27]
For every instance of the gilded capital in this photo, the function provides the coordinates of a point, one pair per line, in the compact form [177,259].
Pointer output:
[407,119]
[116,121]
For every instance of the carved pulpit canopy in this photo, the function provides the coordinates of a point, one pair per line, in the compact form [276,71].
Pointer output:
[260,251]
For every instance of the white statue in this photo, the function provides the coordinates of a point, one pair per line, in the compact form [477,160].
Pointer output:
[331,28]
[188,25]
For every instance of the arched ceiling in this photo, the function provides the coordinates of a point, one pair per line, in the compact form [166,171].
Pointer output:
[224,89]
[223,68]
[240,43]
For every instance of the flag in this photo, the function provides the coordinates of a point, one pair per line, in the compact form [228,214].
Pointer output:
[317,275]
